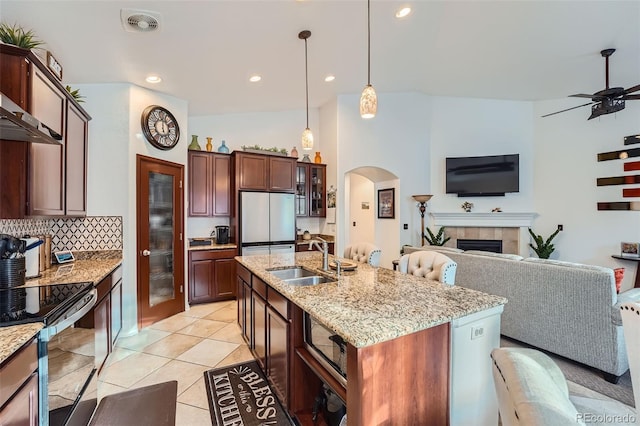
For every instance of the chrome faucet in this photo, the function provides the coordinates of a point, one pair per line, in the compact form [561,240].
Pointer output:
[324,248]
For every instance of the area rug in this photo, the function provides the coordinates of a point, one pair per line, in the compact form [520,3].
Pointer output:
[239,394]
[586,376]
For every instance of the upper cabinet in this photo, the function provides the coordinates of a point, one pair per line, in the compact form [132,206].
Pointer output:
[261,172]
[311,193]
[209,184]
[44,180]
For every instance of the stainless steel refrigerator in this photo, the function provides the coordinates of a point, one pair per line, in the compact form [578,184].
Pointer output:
[267,223]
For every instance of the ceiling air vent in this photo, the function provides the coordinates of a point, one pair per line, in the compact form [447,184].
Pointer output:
[139,21]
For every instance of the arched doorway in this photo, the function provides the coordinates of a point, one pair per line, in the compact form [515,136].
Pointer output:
[361,221]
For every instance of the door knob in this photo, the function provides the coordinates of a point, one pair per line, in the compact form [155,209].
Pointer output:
[146,252]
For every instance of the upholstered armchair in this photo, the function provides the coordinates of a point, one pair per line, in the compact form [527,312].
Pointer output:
[532,391]
[363,253]
[630,313]
[429,264]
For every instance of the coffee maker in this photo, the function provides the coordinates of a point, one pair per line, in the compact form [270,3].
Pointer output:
[222,234]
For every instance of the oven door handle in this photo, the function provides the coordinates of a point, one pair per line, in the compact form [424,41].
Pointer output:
[53,329]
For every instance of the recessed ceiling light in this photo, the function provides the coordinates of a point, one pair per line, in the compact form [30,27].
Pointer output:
[403,12]
[255,78]
[153,79]
[329,78]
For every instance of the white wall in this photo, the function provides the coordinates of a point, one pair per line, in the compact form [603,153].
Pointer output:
[396,140]
[361,191]
[566,168]
[462,127]
[115,139]
[267,129]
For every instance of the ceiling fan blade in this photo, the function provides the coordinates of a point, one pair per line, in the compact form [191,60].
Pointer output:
[630,97]
[581,95]
[568,109]
[632,89]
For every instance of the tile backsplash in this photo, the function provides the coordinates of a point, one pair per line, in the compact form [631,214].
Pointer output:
[78,234]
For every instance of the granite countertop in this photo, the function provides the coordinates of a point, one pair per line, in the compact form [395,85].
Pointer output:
[371,305]
[214,246]
[82,270]
[327,238]
[88,267]
[13,337]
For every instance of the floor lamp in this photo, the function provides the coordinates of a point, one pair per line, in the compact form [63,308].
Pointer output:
[422,206]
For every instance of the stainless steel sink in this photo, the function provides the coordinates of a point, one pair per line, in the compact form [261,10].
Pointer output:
[293,272]
[299,276]
[304,281]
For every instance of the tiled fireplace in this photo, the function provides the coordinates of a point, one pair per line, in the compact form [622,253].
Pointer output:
[510,228]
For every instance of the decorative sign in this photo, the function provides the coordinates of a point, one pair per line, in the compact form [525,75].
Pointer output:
[54,66]
[240,394]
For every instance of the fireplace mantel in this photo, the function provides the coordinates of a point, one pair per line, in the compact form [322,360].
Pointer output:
[496,220]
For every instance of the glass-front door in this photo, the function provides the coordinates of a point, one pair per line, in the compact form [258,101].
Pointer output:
[160,246]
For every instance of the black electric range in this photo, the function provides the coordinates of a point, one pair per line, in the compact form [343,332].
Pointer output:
[45,303]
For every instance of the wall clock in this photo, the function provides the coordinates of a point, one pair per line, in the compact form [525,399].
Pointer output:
[160,127]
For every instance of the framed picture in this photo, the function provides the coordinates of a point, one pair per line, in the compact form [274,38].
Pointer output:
[629,249]
[386,205]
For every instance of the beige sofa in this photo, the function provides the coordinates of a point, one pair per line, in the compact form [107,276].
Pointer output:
[565,308]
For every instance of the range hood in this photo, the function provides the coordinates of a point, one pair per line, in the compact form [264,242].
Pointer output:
[17,125]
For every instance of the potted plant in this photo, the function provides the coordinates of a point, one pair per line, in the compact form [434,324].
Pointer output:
[543,248]
[438,239]
[75,93]
[17,36]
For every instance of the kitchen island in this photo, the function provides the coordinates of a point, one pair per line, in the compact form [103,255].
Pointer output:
[397,329]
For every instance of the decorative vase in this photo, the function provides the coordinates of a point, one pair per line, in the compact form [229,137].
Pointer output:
[306,159]
[318,158]
[294,152]
[194,143]
[209,144]
[223,148]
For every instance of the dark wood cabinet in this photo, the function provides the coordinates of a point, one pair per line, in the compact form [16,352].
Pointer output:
[116,308]
[106,316]
[264,172]
[19,387]
[76,161]
[209,184]
[311,193]
[101,319]
[259,328]
[41,179]
[265,317]
[211,275]
[46,180]
[277,368]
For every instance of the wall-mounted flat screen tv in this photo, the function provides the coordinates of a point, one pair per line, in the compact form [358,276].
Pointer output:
[492,175]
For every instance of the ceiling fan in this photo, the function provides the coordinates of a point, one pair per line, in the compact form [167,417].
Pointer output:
[608,100]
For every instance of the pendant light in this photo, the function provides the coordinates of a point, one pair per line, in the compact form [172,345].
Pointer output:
[368,99]
[307,136]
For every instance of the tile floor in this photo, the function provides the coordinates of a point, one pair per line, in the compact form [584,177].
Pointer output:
[179,348]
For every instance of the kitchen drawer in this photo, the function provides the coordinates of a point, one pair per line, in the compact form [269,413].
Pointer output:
[279,303]
[104,287]
[16,371]
[116,275]
[260,287]
[243,273]
[212,254]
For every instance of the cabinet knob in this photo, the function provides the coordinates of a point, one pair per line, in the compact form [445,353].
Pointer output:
[146,252]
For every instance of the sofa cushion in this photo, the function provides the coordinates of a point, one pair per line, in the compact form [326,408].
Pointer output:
[492,254]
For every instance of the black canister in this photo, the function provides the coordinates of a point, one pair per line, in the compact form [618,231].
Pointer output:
[12,272]
[222,234]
